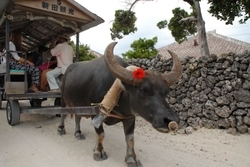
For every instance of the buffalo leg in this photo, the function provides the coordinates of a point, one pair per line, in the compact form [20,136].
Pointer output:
[61,128]
[78,132]
[99,153]
[130,159]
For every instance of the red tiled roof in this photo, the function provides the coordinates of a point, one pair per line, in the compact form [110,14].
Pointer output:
[217,44]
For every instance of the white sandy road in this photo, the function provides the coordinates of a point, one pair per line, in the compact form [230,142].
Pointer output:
[35,143]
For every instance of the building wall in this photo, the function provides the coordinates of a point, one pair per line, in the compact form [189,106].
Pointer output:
[214,91]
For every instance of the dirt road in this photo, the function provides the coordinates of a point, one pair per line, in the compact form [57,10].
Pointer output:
[35,143]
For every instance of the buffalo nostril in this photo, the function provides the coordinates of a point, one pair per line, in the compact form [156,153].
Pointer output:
[173,126]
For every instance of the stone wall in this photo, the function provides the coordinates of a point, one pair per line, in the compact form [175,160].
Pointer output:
[214,91]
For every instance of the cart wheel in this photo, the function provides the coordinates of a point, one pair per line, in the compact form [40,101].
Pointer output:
[35,102]
[13,112]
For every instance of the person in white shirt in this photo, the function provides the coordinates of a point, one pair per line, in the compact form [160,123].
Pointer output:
[18,63]
[64,54]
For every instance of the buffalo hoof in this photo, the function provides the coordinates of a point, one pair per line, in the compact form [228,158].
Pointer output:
[133,162]
[100,155]
[79,135]
[61,130]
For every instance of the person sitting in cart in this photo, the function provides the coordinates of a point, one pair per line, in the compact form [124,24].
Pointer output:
[64,54]
[49,63]
[18,63]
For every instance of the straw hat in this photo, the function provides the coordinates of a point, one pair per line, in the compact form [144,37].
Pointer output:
[65,37]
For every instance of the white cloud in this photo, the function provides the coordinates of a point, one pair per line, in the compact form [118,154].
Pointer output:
[148,15]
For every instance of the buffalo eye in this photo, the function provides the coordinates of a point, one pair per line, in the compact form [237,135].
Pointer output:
[145,91]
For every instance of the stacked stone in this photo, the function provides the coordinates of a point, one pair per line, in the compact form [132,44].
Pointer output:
[214,91]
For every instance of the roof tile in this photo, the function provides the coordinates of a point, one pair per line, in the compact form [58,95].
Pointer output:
[217,44]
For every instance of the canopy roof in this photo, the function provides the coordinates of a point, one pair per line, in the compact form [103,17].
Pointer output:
[41,20]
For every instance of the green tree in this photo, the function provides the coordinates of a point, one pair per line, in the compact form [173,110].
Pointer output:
[84,51]
[228,10]
[189,24]
[162,24]
[142,48]
[85,54]
[183,24]
[181,29]
[124,23]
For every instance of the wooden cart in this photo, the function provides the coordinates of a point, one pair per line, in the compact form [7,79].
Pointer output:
[39,21]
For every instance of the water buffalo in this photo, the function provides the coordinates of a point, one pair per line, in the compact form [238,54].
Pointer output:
[87,82]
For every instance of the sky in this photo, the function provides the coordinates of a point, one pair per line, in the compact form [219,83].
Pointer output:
[148,14]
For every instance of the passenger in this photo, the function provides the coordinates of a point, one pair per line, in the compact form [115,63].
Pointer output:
[37,58]
[34,57]
[17,62]
[64,54]
[49,63]
[43,51]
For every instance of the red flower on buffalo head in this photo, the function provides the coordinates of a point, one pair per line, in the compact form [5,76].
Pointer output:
[139,73]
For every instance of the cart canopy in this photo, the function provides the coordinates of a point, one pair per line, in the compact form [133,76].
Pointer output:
[41,20]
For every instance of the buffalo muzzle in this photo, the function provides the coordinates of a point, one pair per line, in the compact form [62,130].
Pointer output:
[173,126]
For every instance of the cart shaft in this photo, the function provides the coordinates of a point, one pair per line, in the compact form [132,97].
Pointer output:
[84,111]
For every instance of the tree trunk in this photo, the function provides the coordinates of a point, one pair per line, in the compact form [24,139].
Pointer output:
[202,38]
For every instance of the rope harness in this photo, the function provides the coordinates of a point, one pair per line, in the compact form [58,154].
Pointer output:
[110,100]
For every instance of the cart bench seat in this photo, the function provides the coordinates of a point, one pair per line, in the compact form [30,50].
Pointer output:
[17,72]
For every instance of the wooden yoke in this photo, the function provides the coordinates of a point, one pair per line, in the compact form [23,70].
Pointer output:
[109,101]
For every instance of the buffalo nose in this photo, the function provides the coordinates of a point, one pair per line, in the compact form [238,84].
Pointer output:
[173,126]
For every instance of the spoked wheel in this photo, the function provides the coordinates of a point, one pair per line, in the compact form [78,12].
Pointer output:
[13,112]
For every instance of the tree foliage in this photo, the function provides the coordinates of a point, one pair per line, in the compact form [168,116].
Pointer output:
[183,24]
[181,29]
[228,10]
[162,24]
[124,24]
[85,54]
[142,48]
[84,51]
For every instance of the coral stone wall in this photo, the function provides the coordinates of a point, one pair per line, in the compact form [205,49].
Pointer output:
[214,91]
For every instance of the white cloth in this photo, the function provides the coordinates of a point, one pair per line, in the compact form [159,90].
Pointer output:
[12,47]
[52,77]
[64,54]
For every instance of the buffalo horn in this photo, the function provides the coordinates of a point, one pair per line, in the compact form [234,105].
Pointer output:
[175,74]
[115,68]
